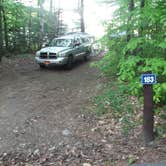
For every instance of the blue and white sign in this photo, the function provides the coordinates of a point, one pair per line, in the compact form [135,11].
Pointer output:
[148,79]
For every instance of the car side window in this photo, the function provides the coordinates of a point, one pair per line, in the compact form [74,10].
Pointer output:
[77,41]
[86,40]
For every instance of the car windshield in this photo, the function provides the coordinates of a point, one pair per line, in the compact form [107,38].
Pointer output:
[61,43]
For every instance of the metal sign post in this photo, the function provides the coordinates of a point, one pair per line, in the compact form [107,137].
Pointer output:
[148,113]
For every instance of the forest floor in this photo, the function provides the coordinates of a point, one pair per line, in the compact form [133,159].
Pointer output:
[45,120]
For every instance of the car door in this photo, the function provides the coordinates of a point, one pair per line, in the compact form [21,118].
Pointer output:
[78,48]
[86,46]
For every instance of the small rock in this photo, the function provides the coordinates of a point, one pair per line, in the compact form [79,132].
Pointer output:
[123,157]
[66,132]
[86,164]
[15,131]
[23,145]
[4,154]
[23,131]
[103,140]
[61,143]
[109,146]
[101,122]
[52,148]
[36,152]
[94,129]
[27,164]
[82,116]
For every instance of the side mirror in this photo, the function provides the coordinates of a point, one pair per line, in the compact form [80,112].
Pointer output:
[76,44]
[45,45]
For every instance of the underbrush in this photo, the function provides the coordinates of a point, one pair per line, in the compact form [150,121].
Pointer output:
[160,121]
[124,108]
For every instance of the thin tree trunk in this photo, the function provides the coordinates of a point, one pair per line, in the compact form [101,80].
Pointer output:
[41,20]
[51,6]
[29,29]
[15,35]
[129,30]
[141,28]
[5,29]
[82,16]
[58,22]
[142,4]
[1,32]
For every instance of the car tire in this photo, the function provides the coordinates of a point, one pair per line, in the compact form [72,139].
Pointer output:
[42,66]
[70,63]
[86,56]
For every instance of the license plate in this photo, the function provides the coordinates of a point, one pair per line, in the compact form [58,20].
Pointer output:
[46,62]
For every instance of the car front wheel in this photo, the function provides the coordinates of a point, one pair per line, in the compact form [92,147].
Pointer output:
[87,56]
[42,66]
[70,62]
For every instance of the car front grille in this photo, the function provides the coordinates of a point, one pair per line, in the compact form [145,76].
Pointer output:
[52,56]
[45,55]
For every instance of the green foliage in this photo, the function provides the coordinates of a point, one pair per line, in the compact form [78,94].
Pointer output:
[131,69]
[136,42]
[109,63]
[28,27]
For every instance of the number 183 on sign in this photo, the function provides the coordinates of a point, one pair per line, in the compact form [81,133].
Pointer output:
[148,79]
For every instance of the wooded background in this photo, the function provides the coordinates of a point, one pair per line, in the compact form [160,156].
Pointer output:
[25,28]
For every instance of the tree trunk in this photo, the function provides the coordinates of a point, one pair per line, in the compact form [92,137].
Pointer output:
[1,32]
[51,6]
[41,20]
[129,30]
[5,29]
[142,4]
[15,34]
[58,22]
[82,16]
[29,29]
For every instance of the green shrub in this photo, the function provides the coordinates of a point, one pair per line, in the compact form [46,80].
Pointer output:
[131,69]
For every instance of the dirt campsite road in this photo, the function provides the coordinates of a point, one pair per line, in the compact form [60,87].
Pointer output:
[45,119]
[42,111]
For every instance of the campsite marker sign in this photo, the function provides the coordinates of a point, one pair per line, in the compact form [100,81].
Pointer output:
[148,79]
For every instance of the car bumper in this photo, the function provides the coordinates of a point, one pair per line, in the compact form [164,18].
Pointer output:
[50,62]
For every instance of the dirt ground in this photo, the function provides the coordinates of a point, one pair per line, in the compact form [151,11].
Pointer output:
[43,119]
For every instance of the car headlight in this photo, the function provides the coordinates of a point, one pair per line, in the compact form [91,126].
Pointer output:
[38,53]
[61,54]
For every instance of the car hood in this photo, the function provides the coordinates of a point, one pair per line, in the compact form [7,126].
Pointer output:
[53,49]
